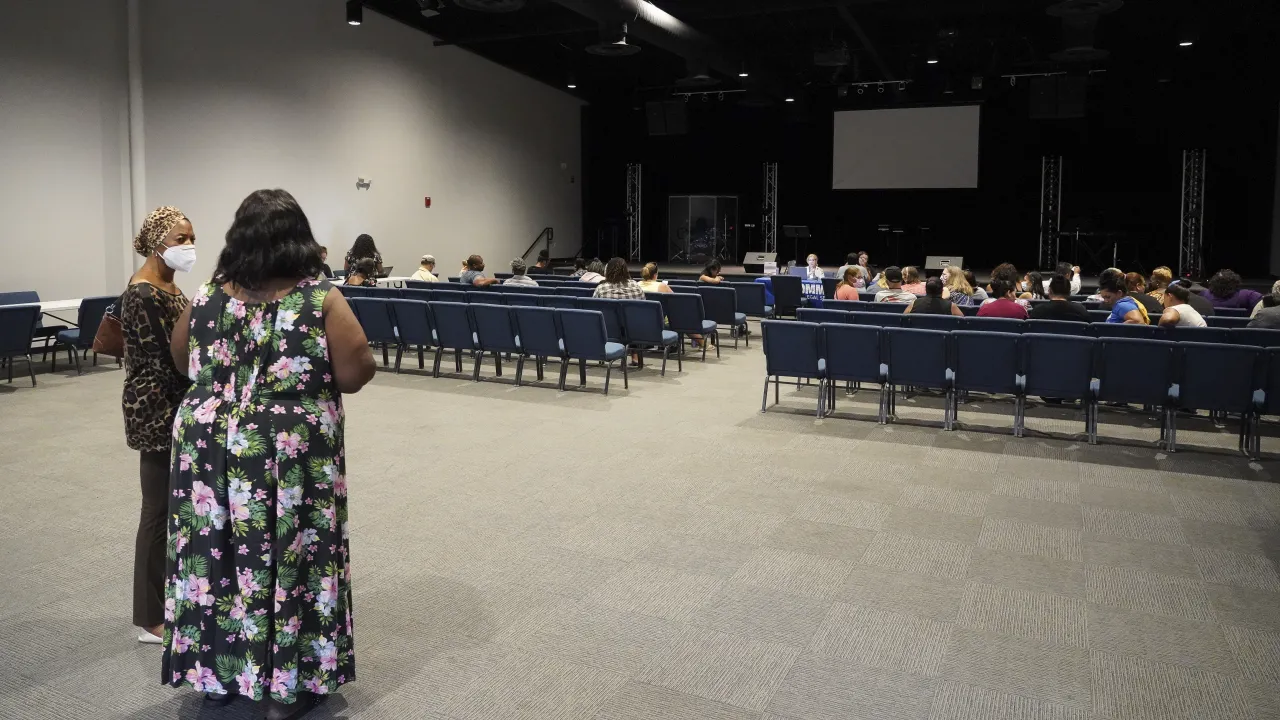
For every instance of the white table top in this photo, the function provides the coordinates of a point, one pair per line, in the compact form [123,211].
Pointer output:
[393,281]
[59,305]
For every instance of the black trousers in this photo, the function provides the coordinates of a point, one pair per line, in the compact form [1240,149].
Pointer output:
[148,553]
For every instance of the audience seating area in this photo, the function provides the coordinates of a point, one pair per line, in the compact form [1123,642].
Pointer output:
[888,314]
[22,330]
[1236,372]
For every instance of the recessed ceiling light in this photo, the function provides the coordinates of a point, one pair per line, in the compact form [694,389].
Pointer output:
[572,86]
[742,74]
[791,99]
[932,61]
[355,12]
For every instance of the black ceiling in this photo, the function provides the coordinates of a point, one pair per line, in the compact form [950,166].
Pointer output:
[886,39]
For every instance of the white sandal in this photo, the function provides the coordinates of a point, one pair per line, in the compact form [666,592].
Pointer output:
[146,638]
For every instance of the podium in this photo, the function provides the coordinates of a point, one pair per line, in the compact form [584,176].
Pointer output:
[753,262]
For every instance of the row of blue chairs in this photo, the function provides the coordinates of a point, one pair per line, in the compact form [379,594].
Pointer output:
[1220,378]
[876,314]
[21,326]
[526,331]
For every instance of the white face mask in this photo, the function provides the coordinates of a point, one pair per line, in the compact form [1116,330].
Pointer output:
[180,257]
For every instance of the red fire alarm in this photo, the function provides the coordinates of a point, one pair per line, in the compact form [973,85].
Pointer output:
[427,202]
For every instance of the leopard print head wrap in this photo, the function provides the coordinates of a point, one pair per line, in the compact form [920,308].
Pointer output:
[155,228]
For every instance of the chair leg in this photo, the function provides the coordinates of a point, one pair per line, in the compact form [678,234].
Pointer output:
[497,363]
[53,367]
[764,400]
[457,360]
[95,359]
[680,359]
[540,360]
[475,372]
[706,340]
[75,354]
[626,383]
[435,365]
[776,382]
[31,369]
[384,355]
[716,335]
[399,355]
[10,364]
[665,351]
[582,372]
[420,357]
[564,372]
[519,368]
[822,392]
[608,370]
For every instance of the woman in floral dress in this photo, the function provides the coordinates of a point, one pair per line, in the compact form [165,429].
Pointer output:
[258,596]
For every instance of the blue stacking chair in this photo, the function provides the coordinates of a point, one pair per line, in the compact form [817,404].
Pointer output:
[378,324]
[689,288]
[969,310]
[528,299]
[1057,327]
[751,299]
[992,324]
[539,337]
[585,338]
[413,328]
[558,301]
[988,362]
[823,315]
[893,308]
[918,358]
[1270,401]
[578,290]
[879,319]
[355,291]
[1220,378]
[829,287]
[791,349]
[852,354]
[486,296]
[1122,330]
[788,294]
[1232,312]
[685,316]
[681,281]
[1131,370]
[1262,337]
[455,279]
[418,285]
[453,331]
[1060,365]
[612,311]
[41,331]
[644,323]
[1174,333]
[449,292]
[496,332]
[1097,316]
[1227,322]
[80,338]
[841,305]
[424,295]
[17,326]
[931,322]
[721,304]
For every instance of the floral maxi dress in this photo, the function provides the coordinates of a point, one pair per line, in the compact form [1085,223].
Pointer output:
[258,593]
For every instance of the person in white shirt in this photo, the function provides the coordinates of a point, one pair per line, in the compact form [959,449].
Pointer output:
[1176,310]
[813,272]
[1069,271]
[426,270]
[894,293]
[594,273]
[518,276]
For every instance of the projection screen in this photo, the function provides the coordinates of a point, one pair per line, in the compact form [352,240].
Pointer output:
[906,148]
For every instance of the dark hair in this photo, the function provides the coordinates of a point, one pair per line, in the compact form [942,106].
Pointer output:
[851,259]
[910,275]
[1113,283]
[363,247]
[596,266]
[270,238]
[579,263]
[971,278]
[712,269]
[543,255]
[1006,272]
[1059,286]
[366,266]
[616,271]
[1065,269]
[1000,288]
[864,252]
[1036,282]
[933,287]
[1224,284]
[1109,273]
[1135,282]
[1179,292]
[474,262]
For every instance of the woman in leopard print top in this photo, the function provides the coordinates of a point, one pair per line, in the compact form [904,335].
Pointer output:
[153,388]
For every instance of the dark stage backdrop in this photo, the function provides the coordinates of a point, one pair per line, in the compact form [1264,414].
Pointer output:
[1122,173]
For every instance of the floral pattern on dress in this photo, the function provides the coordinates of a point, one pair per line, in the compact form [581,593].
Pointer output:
[258,597]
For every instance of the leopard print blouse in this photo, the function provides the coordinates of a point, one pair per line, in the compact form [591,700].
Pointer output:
[153,387]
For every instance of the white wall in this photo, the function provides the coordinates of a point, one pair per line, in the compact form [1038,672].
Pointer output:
[243,94]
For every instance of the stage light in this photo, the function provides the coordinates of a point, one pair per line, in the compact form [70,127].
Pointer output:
[743,71]
[355,12]
[932,61]
[573,83]
[791,99]
[1185,43]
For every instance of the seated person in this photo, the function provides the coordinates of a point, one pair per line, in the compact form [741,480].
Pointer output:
[543,263]
[811,270]
[1002,302]
[426,270]
[711,273]
[362,273]
[1137,287]
[850,260]
[894,291]
[847,288]
[979,293]
[955,287]
[1225,291]
[1060,305]
[474,274]
[1177,312]
[932,302]
[1034,287]
[518,276]
[1068,271]
[325,270]
[617,283]
[1267,316]
[911,281]
[1160,279]
[649,281]
[1124,309]
[1197,301]
[579,267]
[594,273]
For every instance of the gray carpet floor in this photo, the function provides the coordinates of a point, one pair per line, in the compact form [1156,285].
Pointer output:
[670,552]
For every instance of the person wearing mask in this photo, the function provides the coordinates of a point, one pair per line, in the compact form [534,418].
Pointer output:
[649,281]
[1267,316]
[362,274]
[1124,309]
[474,274]
[956,287]
[979,293]
[911,281]
[1060,305]
[426,271]
[894,291]
[1225,292]
[518,276]
[1136,287]
[153,388]
[362,248]
[711,273]
[544,262]
[1002,303]
[579,267]
[1033,287]
[324,259]
[1177,313]
[811,270]
[847,288]
[1160,279]
[594,273]
[932,302]
[1069,271]
[270,352]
